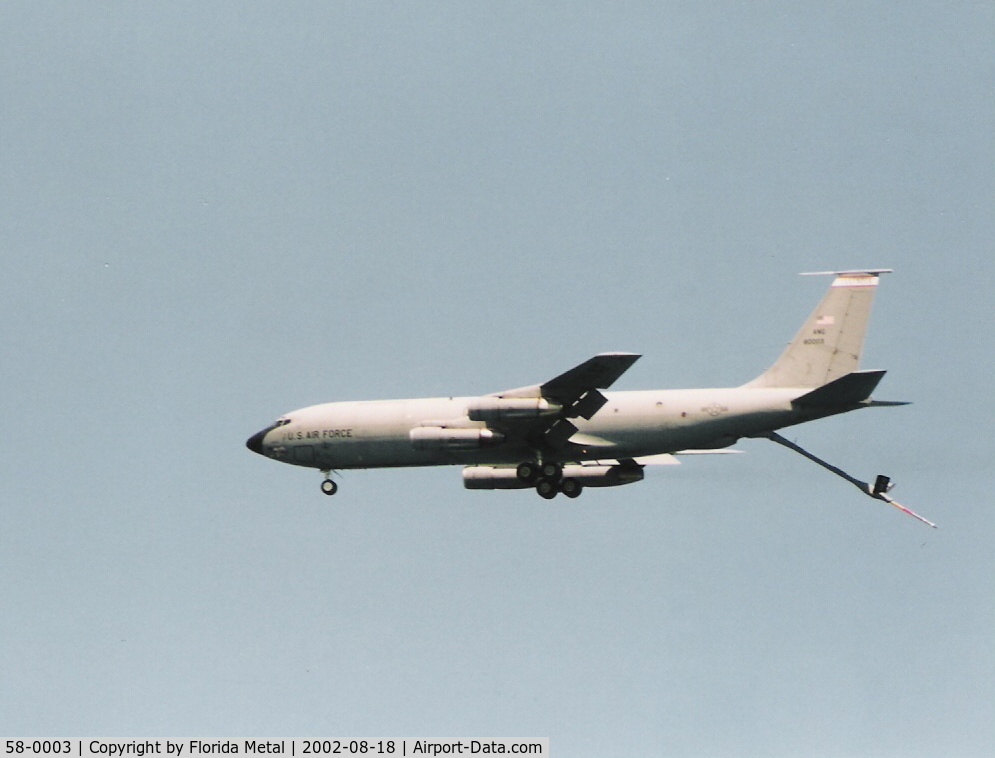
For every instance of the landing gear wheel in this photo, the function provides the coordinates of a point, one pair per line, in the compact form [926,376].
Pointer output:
[547,489]
[571,487]
[527,472]
[551,470]
[329,487]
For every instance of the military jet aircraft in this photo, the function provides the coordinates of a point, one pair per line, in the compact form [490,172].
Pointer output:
[565,434]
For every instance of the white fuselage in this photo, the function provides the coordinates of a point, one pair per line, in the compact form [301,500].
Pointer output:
[378,433]
[566,434]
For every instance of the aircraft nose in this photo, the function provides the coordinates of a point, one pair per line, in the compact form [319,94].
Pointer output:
[255,442]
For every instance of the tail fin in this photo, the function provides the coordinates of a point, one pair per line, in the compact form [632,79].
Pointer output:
[829,343]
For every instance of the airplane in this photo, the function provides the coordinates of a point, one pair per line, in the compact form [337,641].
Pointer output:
[565,434]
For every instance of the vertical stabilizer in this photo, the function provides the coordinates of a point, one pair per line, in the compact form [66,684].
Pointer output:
[829,343]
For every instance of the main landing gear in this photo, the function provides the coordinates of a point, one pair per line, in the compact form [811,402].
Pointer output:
[548,479]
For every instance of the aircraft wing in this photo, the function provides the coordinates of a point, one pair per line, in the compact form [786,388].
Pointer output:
[665,459]
[596,373]
[575,393]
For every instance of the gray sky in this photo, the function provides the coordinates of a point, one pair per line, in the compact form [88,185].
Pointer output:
[214,213]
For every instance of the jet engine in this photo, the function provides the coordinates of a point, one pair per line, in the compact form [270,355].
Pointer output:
[506,477]
[444,438]
[510,408]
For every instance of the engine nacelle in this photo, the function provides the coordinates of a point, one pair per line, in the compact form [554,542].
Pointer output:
[443,438]
[510,408]
[506,477]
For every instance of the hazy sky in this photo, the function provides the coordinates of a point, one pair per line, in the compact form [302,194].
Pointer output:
[217,212]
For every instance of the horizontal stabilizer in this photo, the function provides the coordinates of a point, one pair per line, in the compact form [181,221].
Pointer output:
[850,389]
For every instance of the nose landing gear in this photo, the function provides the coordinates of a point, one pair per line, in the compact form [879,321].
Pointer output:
[328,486]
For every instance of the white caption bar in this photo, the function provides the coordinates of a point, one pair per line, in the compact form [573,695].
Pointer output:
[320,748]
